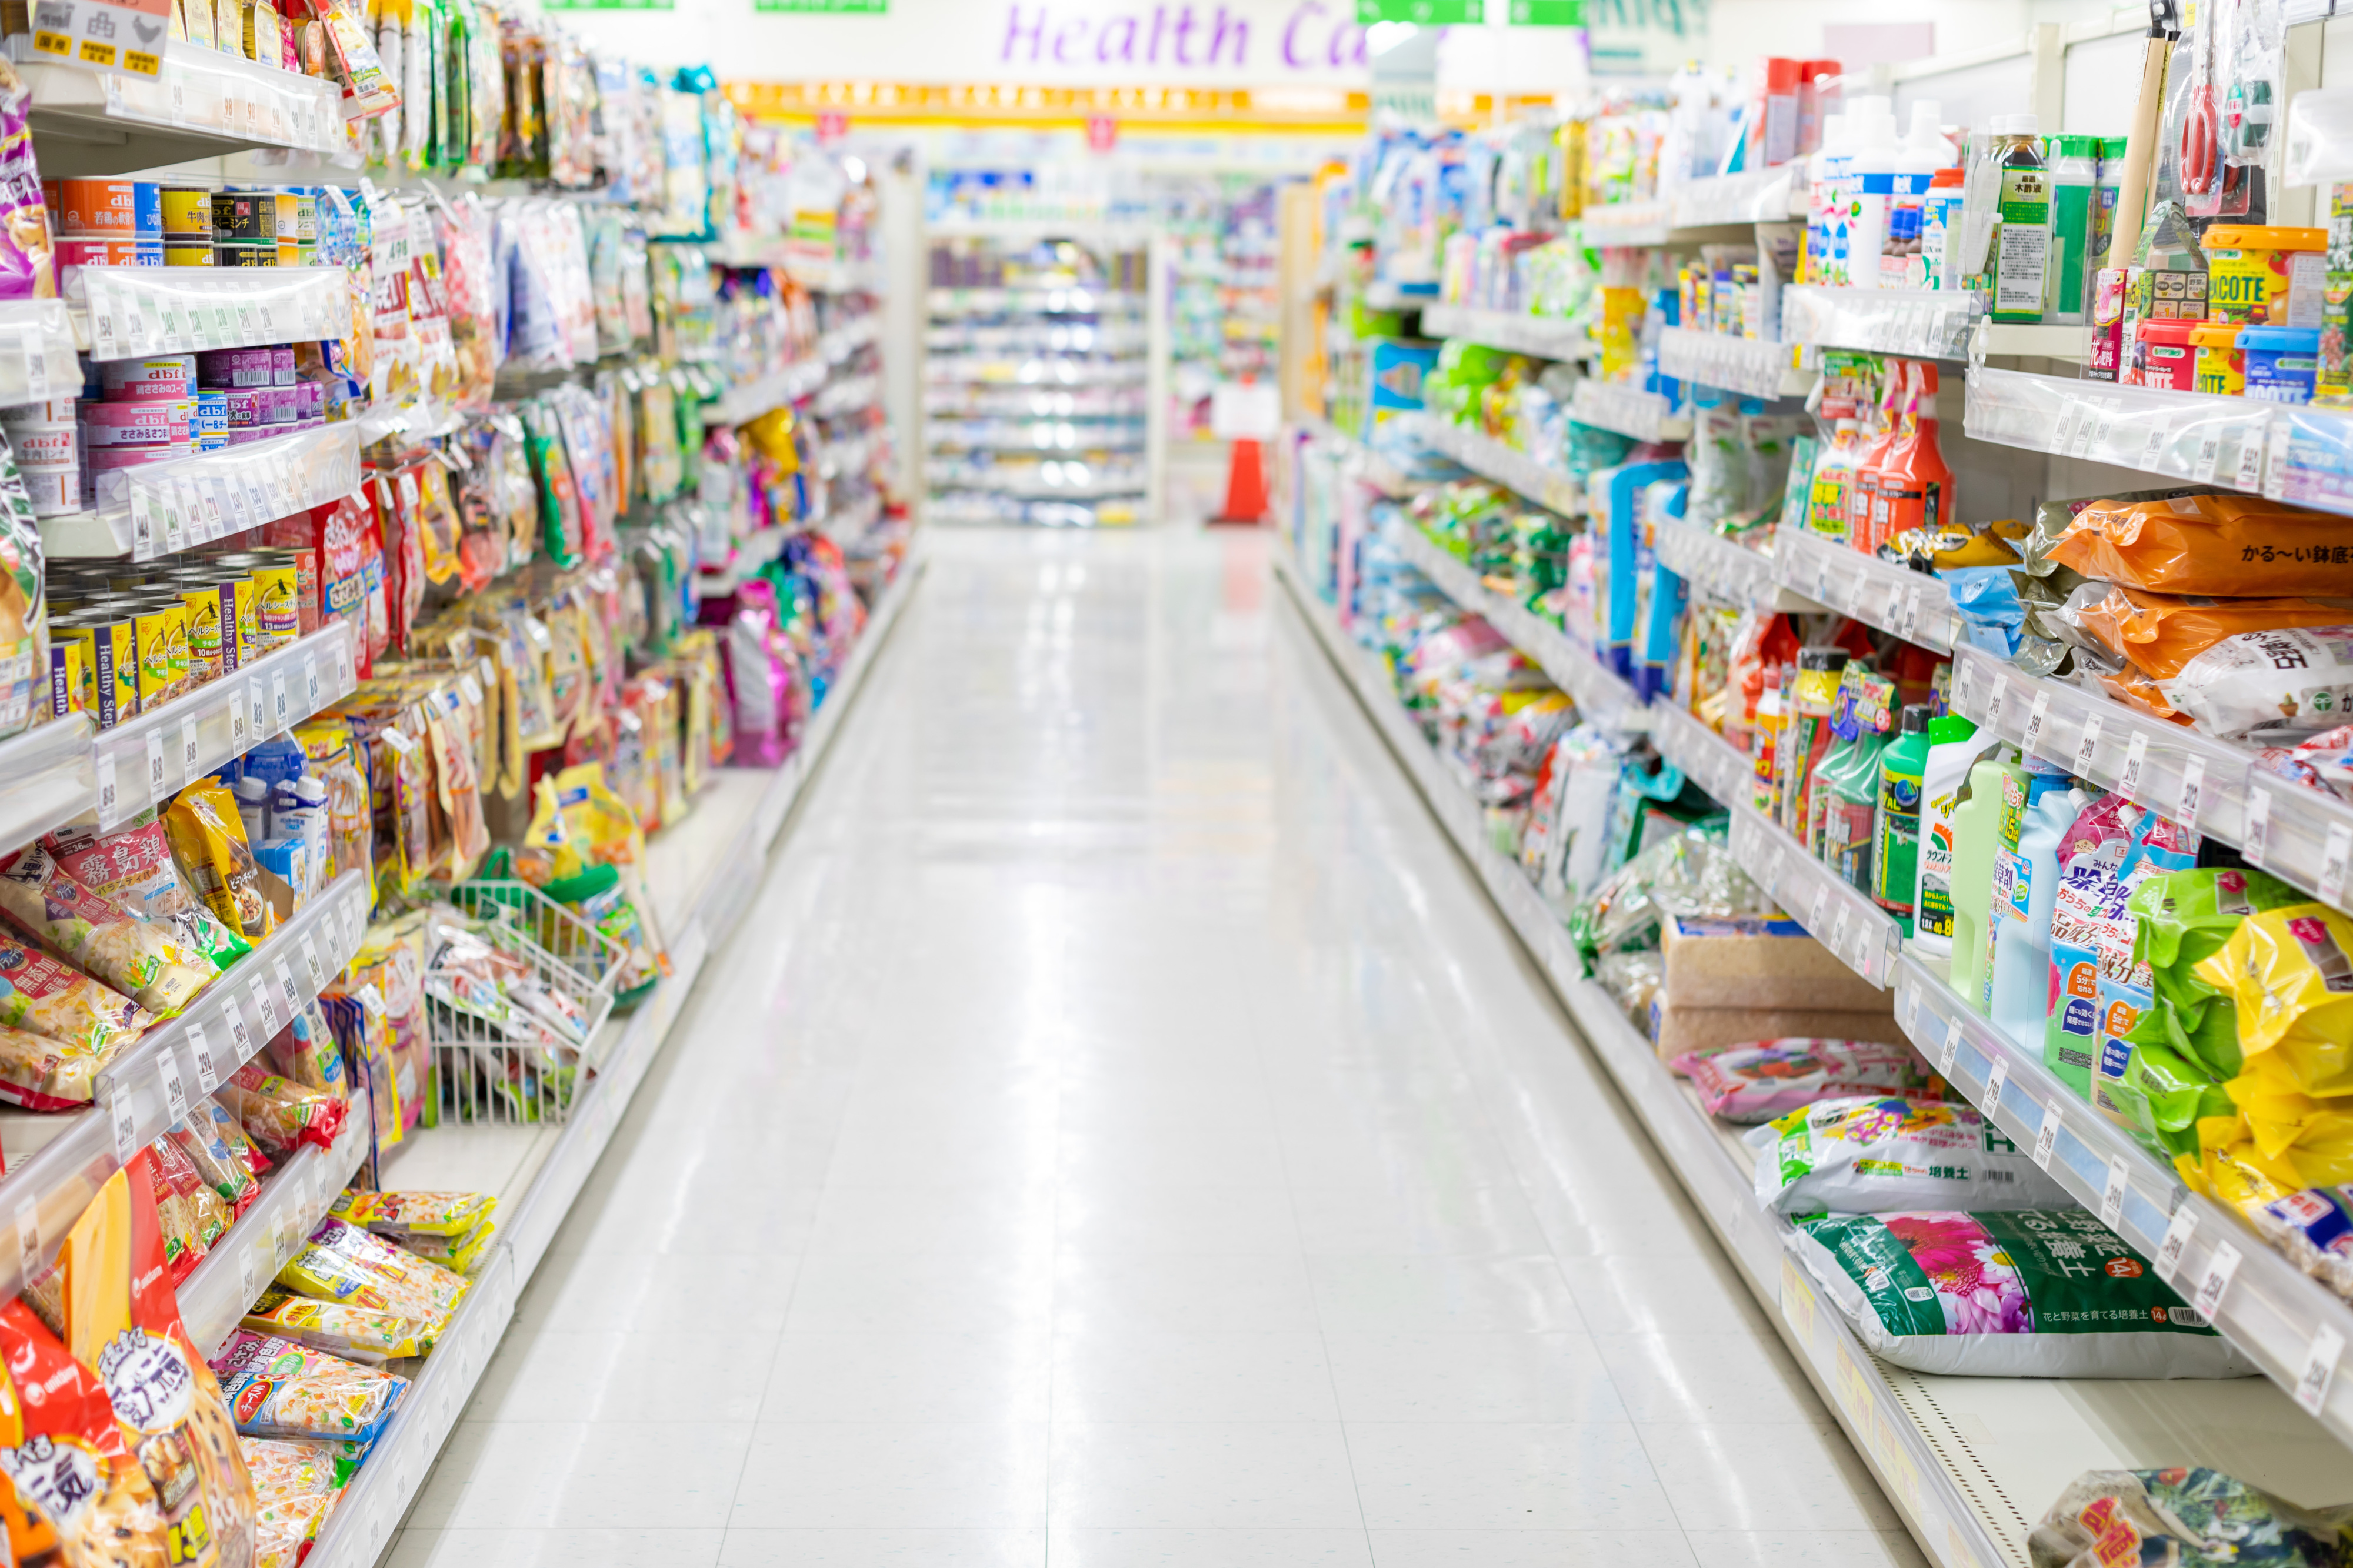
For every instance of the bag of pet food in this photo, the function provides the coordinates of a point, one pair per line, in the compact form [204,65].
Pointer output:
[1867,1156]
[2237,545]
[2011,1293]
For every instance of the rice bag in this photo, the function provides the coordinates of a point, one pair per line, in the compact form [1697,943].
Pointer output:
[294,1488]
[1773,1077]
[120,1317]
[363,1334]
[222,1168]
[2224,544]
[343,1263]
[67,1467]
[1864,1155]
[2314,1228]
[2288,972]
[306,1051]
[280,1389]
[2011,1293]
[2190,1517]
[43,997]
[208,840]
[280,1114]
[133,867]
[145,962]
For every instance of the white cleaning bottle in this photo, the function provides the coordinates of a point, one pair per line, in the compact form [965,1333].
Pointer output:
[1904,262]
[1825,180]
[1872,177]
[2022,957]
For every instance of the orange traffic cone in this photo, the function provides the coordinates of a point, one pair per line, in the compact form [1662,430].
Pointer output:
[1245,486]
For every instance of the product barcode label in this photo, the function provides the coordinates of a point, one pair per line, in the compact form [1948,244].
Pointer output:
[2046,1137]
[2112,1192]
[1814,917]
[245,1274]
[2087,746]
[2258,824]
[200,1047]
[241,1041]
[1952,1048]
[1993,703]
[2320,1369]
[2035,718]
[2177,1241]
[1961,671]
[310,680]
[2193,788]
[2136,759]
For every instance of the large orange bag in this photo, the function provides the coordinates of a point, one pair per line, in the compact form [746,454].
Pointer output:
[2234,545]
[2160,633]
[73,1496]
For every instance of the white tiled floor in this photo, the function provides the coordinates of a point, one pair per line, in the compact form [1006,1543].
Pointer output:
[1121,1135]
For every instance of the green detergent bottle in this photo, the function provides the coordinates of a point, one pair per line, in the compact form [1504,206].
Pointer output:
[1895,861]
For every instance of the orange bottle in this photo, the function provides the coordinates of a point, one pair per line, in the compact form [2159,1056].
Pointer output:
[1879,444]
[1917,481]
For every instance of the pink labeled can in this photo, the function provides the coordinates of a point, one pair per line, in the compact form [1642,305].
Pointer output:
[278,406]
[167,376]
[152,424]
[230,370]
[281,365]
[248,408]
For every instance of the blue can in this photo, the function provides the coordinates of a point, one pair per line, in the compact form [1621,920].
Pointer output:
[150,253]
[212,413]
[147,211]
[2280,362]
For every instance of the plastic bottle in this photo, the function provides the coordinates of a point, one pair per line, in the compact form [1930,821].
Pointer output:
[2022,246]
[1954,747]
[2074,182]
[1863,492]
[1876,167]
[1826,176]
[1806,734]
[1762,738]
[1915,483]
[2021,959]
[1940,220]
[1851,808]
[1895,824]
[1978,838]
[252,808]
[1834,481]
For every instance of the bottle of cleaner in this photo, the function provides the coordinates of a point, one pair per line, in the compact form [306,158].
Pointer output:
[1976,839]
[2075,184]
[1851,807]
[1896,823]
[1805,735]
[1915,483]
[1863,492]
[1762,737]
[1876,165]
[1827,173]
[1919,156]
[2023,244]
[1955,745]
[2024,890]
[1833,479]
[1940,222]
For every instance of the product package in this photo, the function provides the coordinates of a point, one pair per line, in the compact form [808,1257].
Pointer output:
[1751,1083]
[1868,1156]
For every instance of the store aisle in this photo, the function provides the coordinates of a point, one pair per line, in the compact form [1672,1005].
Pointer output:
[1123,1134]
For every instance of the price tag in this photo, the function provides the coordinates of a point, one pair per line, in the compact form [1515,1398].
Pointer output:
[2035,717]
[28,1233]
[1894,617]
[190,754]
[200,1045]
[240,1042]
[1952,1048]
[257,707]
[286,985]
[155,784]
[2112,1192]
[2177,1240]
[2333,859]
[175,1091]
[2046,1137]
[265,1008]
[1912,617]
[1814,919]
[2085,747]
[2193,789]
[245,1274]
[1838,932]
[2109,407]
[1911,1005]
[2087,428]
[2209,453]
[2136,758]
[311,964]
[2320,1369]
[342,667]
[1961,668]
[1993,703]
[2065,431]
[1994,1080]
[2224,1264]
[126,1127]
[2258,824]
[279,710]
[311,682]
[239,742]
[110,800]
[471,687]
[2249,476]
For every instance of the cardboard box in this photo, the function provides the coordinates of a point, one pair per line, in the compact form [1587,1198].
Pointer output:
[1757,962]
[1675,1030]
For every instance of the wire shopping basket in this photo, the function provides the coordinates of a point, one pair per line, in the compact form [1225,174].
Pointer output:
[519,1054]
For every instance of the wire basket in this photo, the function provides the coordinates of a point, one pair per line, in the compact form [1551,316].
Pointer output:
[526,1065]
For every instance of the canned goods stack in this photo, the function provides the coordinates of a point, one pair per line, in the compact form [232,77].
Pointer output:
[150,223]
[124,641]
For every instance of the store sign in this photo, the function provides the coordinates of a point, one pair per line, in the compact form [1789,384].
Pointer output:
[103,35]
[1422,12]
[1548,13]
[1312,38]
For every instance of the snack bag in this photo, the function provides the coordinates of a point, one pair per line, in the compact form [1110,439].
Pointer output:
[295,1486]
[280,1114]
[599,821]
[2012,1293]
[42,1074]
[42,996]
[209,839]
[133,867]
[231,1133]
[120,1317]
[108,941]
[220,1167]
[2314,1228]
[76,1497]
[401,1215]
[1773,1078]
[2181,919]
[343,1263]
[194,1209]
[305,1050]
[363,1334]
[1859,1156]
[2223,545]
[280,1389]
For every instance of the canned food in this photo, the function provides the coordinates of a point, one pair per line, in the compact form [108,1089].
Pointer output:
[278,588]
[239,255]
[202,607]
[71,689]
[162,631]
[188,213]
[228,369]
[248,218]
[111,209]
[154,422]
[114,664]
[155,376]
[195,253]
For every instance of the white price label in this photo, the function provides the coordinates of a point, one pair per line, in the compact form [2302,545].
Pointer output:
[109,799]
[1960,692]
[2046,1137]
[2320,1369]
[245,1274]
[1994,1080]
[155,777]
[2220,1268]
[311,964]
[2087,746]
[28,1233]
[286,985]
[2136,759]
[1910,1003]
[1993,703]
[256,711]
[471,687]
[175,1089]
[125,1121]
[1814,919]
[311,682]
[240,1040]
[1912,617]
[282,711]
[2035,718]
[2193,789]
[265,1008]
[238,744]
[1837,931]
[2064,434]
[342,667]
[2112,1192]
[2209,453]
[2333,857]
[1893,616]
[2258,824]
[1952,1048]
[200,1046]
[2177,1241]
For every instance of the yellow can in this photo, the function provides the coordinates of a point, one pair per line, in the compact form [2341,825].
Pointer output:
[187,212]
[278,591]
[114,650]
[2256,273]
[2221,368]
[70,677]
[203,605]
[162,633]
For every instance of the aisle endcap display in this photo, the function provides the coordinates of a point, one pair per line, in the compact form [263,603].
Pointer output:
[2191,435]
[1915,606]
[1599,695]
[1727,568]
[1545,337]
[1508,467]
[1630,412]
[1750,366]
[202,103]
[133,311]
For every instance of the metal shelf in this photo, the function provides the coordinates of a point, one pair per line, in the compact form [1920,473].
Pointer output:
[1508,467]
[1924,323]
[749,399]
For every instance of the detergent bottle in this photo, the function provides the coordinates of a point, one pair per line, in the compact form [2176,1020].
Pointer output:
[1978,838]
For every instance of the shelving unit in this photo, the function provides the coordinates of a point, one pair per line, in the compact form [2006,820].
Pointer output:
[1729,569]
[1508,467]
[749,400]
[202,104]
[1545,337]
[1750,366]
[135,311]
[1642,416]
[2176,435]
[538,1170]
[165,508]
[1915,606]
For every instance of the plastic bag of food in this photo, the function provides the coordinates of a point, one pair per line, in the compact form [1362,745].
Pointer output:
[2191,1516]
[473,969]
[1864,1156]
[2159,634]
[305,1050]
[223,1169]
[120,1317]
[231,1132]
[42,1074]
[2181,919]
[364,1334]
[280,1389]
[193,1216]
[459,1254]
[1773,1078]
[43,997]
[2011,1293]
[2314,1228]
[295,1488]
[145,962]
[343,1263]
[133,867]
[2290,972]
[280,1114]
[400,1216]
[67,1464]
[2223,545]
[208,840]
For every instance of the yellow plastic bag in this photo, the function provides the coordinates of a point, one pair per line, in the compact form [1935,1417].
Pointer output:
[2284,968]
[600,823]
[208,841]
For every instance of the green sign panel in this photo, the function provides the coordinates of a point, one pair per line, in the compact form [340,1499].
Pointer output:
[1422,12]
[1548,13]
[609,4]
[835,7]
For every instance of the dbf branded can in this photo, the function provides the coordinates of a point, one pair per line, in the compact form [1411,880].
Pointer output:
[188,214]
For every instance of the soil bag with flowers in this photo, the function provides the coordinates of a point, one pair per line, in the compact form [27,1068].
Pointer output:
[2009,1293]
